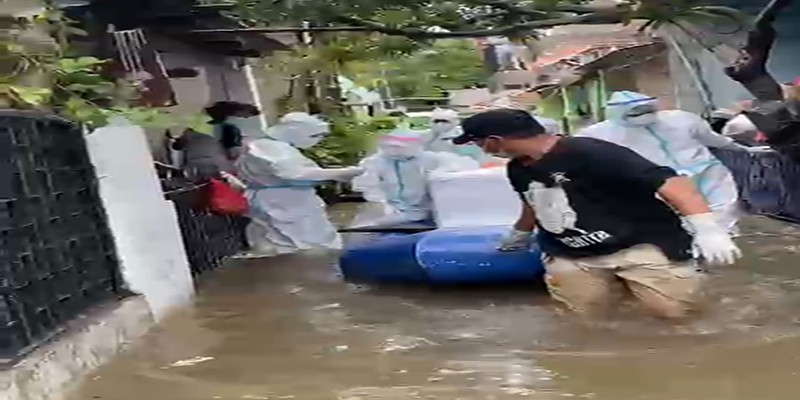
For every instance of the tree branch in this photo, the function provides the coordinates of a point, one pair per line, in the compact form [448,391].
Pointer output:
[599,18]
[547,11]
[750,69]
[510,8]
[363,25]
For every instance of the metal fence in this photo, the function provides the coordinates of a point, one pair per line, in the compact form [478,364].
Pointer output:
[768,182]
[57,255]
[208,238]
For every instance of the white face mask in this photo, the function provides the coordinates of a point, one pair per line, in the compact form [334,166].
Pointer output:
[502,155]
[642,120]
[304,141]
[499,153]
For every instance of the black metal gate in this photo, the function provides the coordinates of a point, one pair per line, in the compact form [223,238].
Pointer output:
[56,253]
[769,183]
[208,239]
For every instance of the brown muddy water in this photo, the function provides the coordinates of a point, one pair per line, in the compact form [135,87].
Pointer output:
[289,328]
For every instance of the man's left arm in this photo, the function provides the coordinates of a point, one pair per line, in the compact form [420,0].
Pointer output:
[711,241]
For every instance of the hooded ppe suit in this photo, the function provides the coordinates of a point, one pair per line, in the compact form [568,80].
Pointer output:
[287,215]
[445,126]
[676,139]
[396,178]
[250,127]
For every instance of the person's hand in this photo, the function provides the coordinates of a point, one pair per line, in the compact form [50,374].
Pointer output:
[712,243]
[760,149]
[235,182]
[349,173]
[515,240]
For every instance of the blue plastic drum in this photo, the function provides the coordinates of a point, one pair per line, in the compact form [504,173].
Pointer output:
[464,256]
[388,258]
[471,256]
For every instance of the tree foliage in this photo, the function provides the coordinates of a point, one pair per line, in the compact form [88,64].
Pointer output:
[427,19]
[446,65]
[39,71]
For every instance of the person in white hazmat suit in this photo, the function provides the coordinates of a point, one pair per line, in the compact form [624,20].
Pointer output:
[676,139]
[396,178]
[445,126]
[287,215]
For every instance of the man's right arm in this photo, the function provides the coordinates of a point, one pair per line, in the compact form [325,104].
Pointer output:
[520,235]
[516,177]
[527,219]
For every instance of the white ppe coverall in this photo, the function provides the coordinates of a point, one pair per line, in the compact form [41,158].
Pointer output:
[250,127]
[445,126]
[676,139]
[396,178]
[286,214]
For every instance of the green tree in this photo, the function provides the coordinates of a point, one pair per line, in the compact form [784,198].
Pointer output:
[446,65]
[427,19]
[38,70]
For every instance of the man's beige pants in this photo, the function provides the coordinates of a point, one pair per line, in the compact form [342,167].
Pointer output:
[590,285]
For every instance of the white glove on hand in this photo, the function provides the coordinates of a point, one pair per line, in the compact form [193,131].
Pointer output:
[760,149]
[515,240]
[235,182]
[346,174]
[711,242]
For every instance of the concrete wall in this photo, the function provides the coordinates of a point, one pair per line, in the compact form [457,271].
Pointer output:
[220,78]
[153,265]
[653,78]
[144,224]
[53,370]
[224,77]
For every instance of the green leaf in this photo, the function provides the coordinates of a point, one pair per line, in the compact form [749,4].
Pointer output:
[33,96]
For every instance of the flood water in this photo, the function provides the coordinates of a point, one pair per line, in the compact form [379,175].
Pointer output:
[289,328]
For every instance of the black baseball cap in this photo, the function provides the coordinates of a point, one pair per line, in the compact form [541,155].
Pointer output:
[502,122]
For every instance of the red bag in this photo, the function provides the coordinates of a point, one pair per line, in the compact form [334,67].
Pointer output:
[225,200]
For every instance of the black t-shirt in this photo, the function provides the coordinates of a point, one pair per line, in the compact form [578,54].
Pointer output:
[594,198]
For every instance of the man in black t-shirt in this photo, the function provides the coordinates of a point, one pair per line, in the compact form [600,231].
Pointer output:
[604,214]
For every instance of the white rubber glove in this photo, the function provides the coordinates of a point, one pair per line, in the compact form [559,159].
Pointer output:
[760,149]
[235,182]
[515,240]
[711,242]
[348,173]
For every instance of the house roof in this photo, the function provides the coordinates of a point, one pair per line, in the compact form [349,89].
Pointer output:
[614,57]
[519,99]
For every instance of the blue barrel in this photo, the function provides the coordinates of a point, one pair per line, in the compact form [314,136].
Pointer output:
[466,256]
[389,258]
[463,256]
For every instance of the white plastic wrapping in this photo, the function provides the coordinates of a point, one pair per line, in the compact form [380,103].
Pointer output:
[473,198]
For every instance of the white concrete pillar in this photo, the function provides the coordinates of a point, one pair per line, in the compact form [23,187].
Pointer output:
[144,224]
